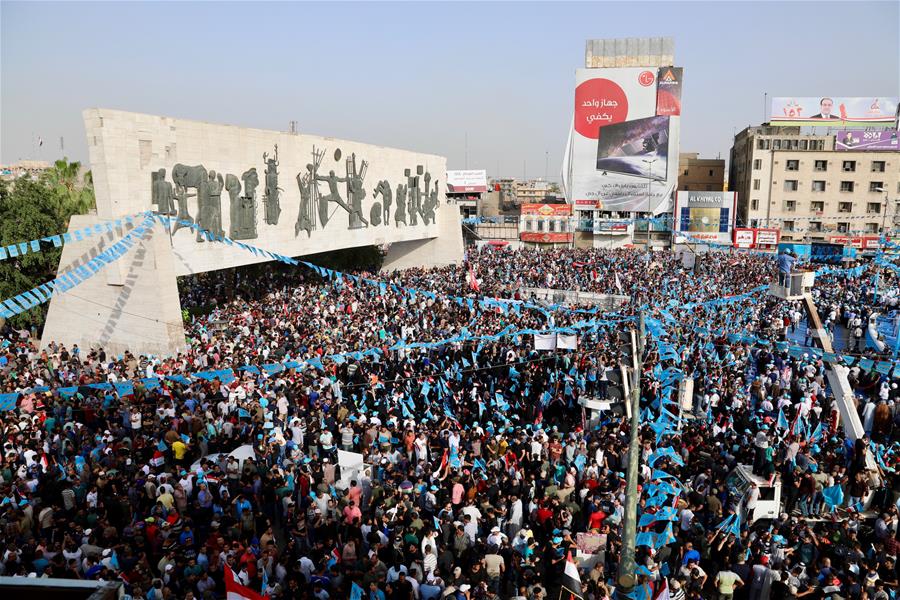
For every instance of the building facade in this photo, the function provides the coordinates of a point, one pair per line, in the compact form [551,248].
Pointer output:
[700,174]
[802,184]
[546,225]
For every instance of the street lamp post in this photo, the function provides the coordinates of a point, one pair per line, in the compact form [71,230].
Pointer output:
[649,163]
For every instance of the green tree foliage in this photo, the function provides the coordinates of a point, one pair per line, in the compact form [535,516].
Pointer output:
[34,209]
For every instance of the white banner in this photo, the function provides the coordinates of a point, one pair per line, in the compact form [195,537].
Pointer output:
[545,341]
[567,341]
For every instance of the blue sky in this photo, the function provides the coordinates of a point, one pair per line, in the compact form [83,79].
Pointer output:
[420,76]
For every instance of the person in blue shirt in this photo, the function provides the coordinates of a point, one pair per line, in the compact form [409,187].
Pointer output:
[785,263]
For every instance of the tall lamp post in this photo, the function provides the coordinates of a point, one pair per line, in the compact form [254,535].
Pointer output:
[649,162]
[884,190]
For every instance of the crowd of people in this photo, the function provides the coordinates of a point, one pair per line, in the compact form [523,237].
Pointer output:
[450,458]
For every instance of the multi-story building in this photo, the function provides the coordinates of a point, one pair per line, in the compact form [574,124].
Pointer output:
[700,174]
[507,189]
[533,191]
[802,184]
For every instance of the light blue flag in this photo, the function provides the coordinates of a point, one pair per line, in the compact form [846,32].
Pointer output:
[356,592]
[782,421]
[833,496]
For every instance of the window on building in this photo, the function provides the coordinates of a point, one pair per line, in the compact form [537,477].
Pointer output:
[710,172]
[754,222]
[551,225]
[817,206]
[878,166]
[791,185]
[564,225]
[685,172]
[762,144]
[848,166]
[871,227]
[710,188]
[843,227]
[818,186]
[754,204]
[787,225]
[528,225]
[756,184]
[757,164]
[687,187]
[792,165]
[845,207]
[820,165]
[790,206]
[876,186]
[815,226]
[846,186]
[540,225]
[776,144]
[873,208]
[804,144]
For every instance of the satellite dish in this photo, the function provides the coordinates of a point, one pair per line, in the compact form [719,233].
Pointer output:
[337,154]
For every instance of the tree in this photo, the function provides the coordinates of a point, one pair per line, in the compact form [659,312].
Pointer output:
[72,195]
[32,210]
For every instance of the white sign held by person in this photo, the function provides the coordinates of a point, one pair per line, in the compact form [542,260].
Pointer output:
[351,464]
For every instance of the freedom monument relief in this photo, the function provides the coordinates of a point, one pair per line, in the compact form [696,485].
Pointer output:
[286,193]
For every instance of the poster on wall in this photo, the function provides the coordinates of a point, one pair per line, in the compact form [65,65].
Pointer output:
[617,158]
[833,111]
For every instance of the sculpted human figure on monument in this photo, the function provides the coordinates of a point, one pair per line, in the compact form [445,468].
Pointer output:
[270,198]
[304,182]
[384,188]
[162,195]
[210,216]
[412,202]
[333,195]
[400,213]
[357,193]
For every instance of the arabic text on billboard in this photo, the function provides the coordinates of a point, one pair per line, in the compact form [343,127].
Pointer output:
[619,146]
[472,180]
[832,111]
[858,139]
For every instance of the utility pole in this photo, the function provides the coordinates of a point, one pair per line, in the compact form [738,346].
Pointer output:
[625,577]
[467,150]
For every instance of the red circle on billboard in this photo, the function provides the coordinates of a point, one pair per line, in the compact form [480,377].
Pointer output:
[646,78]
[598,102]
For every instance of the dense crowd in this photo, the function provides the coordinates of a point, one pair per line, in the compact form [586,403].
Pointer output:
[469,469]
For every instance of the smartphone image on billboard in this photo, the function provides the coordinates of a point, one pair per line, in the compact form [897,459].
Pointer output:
[639,148]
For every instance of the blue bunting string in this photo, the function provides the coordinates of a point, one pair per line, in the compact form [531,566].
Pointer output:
[34,246]
[75,276]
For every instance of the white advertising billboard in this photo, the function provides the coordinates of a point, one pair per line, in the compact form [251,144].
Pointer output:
[623,152]
[470,180]
[833,111]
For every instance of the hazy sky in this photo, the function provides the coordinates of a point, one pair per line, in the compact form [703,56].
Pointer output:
[419,75]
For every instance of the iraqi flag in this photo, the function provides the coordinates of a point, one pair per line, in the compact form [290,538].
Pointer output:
[662,590]
[472,280]
[235,590]
[570,589]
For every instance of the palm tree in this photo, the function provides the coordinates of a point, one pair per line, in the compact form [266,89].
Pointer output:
[72,196]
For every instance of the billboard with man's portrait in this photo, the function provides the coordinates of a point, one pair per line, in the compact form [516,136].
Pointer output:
[833,111]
